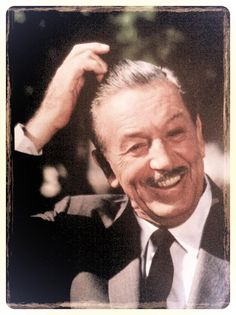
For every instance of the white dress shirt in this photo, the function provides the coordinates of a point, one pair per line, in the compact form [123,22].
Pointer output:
[22,143]
[184,251]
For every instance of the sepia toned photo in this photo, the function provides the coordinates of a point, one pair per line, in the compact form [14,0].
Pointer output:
[118,149]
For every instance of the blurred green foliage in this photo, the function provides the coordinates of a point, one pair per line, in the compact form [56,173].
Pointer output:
[140,38]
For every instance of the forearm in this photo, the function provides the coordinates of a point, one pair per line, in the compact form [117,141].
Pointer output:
[61,96]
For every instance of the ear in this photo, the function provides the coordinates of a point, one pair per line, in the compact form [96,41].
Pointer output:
[102,162]
[200,138]
[113,181]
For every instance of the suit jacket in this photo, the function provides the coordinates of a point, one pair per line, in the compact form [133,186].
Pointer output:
[92,251]
[115,281]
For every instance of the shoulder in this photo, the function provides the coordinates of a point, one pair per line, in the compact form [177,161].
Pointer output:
[217,192]
[216,232]
[220,200]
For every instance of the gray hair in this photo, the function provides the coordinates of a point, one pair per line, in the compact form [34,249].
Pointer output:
[128,74]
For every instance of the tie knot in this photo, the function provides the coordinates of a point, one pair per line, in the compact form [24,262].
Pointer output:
[162,237]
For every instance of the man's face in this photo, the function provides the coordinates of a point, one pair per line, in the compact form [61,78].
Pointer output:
[155,151]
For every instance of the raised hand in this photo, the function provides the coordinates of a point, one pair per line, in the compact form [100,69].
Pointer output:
[58,104]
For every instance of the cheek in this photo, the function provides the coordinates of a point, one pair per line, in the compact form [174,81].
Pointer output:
[131,173]
[193,159]
[189,151]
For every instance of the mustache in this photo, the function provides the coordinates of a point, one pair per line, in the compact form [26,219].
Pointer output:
[153,181]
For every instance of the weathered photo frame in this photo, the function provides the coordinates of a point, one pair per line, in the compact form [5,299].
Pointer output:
[193,41]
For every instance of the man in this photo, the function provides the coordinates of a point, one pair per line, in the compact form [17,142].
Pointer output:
[149,142]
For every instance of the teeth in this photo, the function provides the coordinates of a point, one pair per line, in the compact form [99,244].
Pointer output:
[169,181]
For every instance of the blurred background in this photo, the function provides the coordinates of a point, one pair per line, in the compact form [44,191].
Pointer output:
[190,42]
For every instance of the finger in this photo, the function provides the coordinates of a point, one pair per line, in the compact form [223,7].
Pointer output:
[95,67]
[97,48]
[80,84]
[87,61]
[100,77]
[71,73]
[100,62]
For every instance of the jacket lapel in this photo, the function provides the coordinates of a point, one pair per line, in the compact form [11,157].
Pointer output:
[210,287]
[123,239]
[116,285]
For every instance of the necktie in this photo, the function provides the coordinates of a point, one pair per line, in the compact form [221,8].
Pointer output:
[156,287]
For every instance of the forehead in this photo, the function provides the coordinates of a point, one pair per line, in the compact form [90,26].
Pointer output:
[155,101]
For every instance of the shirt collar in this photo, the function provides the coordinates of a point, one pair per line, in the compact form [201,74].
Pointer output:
[188,234]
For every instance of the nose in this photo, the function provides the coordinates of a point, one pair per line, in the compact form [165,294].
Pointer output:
[161,157]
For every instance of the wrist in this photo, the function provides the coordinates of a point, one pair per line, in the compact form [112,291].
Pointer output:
[40,130]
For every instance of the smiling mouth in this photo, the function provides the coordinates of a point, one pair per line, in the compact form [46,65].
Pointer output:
[168,180]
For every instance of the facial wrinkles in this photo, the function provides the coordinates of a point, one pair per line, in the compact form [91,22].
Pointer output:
[160,179]
[154,177]
[195,184]
[136,165]
[166,178]
[123,112]
[150,108]
[148,113]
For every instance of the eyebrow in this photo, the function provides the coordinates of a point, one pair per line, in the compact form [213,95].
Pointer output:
[141,134]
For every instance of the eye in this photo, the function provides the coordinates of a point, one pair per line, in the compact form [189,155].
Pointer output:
[177,133]
[138,148]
